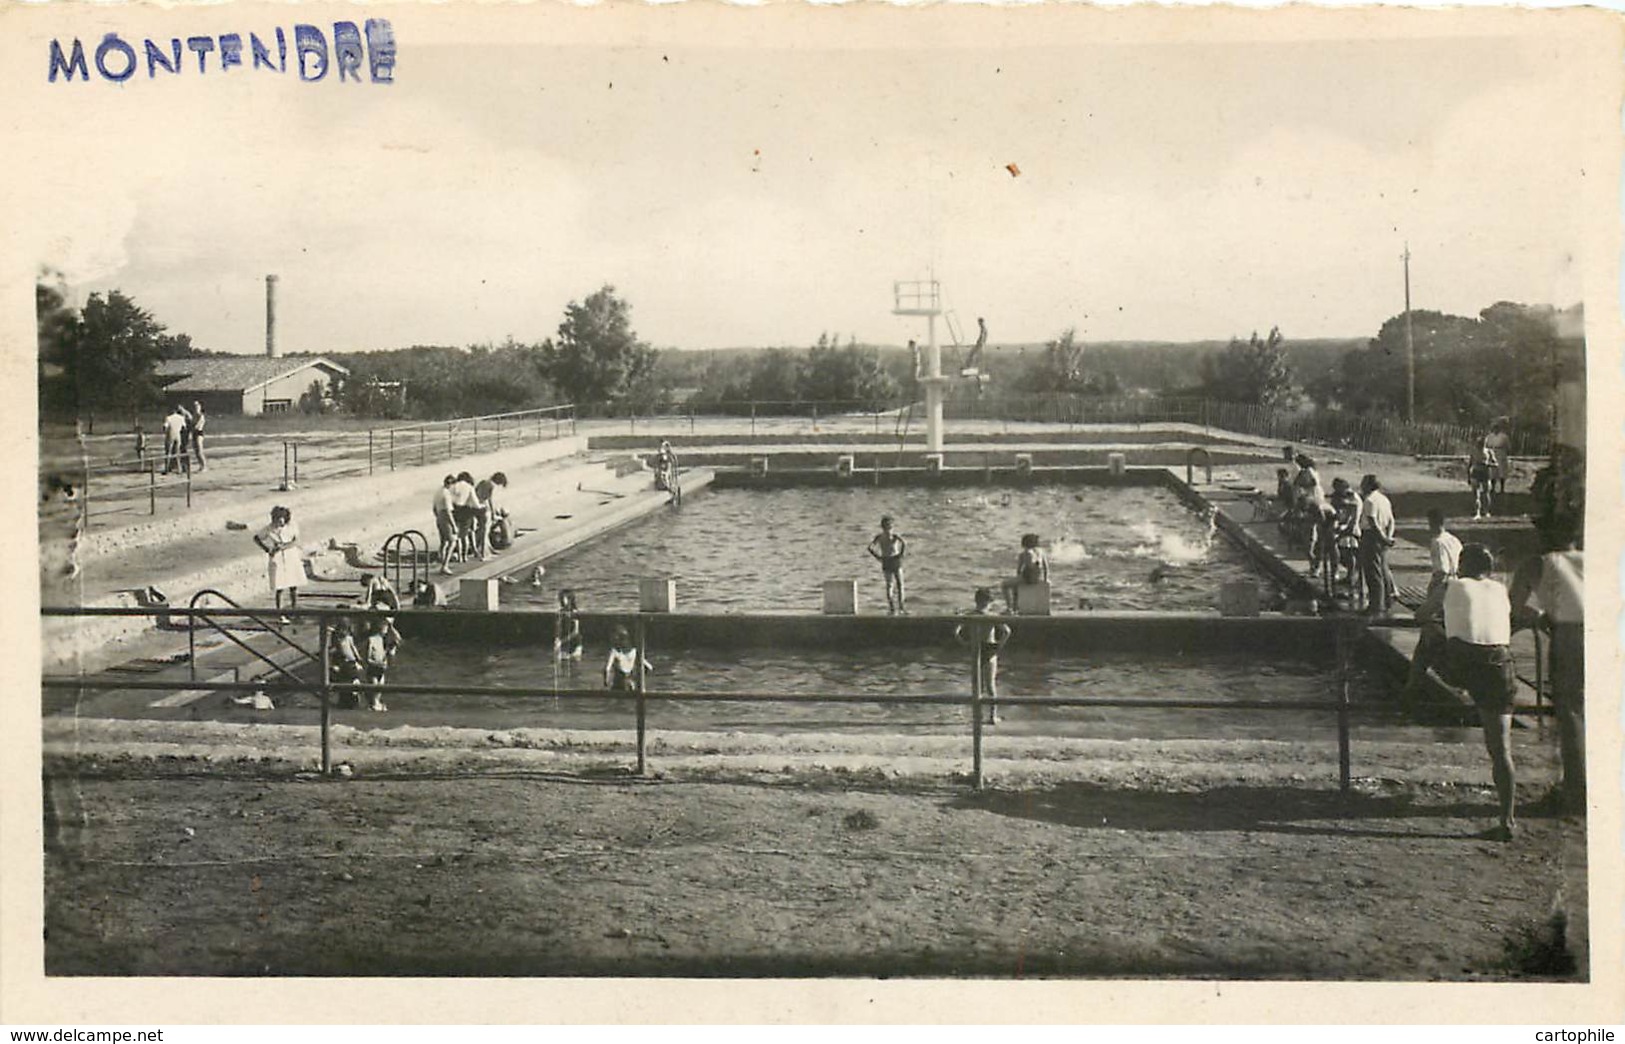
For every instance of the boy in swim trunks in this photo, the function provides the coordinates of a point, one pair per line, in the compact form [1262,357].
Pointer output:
[990,638]
[888,548]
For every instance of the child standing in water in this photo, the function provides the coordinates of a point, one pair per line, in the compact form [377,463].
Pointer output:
[621,671]
[567,628]
[989,638]
[888,548]
[377,659]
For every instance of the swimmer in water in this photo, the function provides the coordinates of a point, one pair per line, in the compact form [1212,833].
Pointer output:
[620,672]
[888,548]
[1161,572]
[567,643]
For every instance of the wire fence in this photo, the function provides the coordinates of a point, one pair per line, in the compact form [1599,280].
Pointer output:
[141,481]
[328,690]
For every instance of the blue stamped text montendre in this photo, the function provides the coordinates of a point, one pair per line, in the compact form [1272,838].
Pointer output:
[370,47]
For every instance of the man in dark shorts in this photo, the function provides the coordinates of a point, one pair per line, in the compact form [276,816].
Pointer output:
[1478,658]
[888,548]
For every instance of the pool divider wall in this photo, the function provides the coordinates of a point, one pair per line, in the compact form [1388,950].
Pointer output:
[949,478]
[1158,635]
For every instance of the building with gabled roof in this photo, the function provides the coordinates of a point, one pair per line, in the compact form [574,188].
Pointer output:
[249,384]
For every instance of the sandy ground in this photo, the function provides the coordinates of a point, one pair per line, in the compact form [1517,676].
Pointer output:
[1097,860]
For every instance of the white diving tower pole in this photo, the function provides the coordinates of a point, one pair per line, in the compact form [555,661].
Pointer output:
[934,387]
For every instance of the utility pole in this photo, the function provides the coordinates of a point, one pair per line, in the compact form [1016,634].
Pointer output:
[1410,345]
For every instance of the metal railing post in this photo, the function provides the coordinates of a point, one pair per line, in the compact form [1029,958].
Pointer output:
[152,488]
[423,446]
[369,449]
[753,418]
[189,487]
[476,434]
[499,433]
[327,700]
[391,449]
[285,476]
[296,463]
[1343,758]
[642,704]
[976,716]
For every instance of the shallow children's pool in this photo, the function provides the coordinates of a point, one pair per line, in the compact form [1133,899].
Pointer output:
[1136,548]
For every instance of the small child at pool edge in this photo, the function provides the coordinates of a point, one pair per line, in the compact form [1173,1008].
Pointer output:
[990,637]
[888,548]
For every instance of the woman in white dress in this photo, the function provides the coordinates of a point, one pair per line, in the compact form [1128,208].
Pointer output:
[280,542]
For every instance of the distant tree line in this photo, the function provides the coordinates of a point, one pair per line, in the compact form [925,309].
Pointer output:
[1469,370]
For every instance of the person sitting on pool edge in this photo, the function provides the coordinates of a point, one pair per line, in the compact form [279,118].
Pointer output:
[1032,567]
[888,548]
[989,639]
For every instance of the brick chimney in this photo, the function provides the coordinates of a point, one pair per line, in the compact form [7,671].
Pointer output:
[270,318]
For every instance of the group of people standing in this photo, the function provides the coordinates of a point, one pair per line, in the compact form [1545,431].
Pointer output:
[1347,534]
[183,438]
[1487,468]
[471,518]
[889,548]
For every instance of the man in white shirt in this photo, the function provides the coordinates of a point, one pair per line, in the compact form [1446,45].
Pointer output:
[1478,658]
[1376,537]
[1444,552]
[444,524]
[174,428]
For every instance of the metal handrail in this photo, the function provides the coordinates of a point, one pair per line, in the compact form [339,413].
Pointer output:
[419,545]
[976,701]
[194,614]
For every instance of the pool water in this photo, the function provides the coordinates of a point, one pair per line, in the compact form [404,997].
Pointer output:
[936,671]
[741,550]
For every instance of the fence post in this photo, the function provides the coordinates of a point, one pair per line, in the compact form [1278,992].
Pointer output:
[499,433]
[188,487]
[753,418]
[691,418]
[391,449]
[296,463]
[476,434]
[423,446]
[152,488]
[326,695]
[1343,642]
[285,475]
[976,716]
[369,450]
[637,686]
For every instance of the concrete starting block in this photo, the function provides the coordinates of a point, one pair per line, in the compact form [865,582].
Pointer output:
[1116,463]
[1024,463]
[479,594]
[1238,598]
[844,465]
[933,463]
[657,596]
[840,597]
[1032,599]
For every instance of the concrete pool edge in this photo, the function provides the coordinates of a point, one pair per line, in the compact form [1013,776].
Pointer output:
[117,748]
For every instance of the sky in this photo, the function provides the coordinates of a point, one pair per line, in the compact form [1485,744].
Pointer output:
[762,195]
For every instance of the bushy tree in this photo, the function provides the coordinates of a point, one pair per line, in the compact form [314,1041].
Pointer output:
[597,357]
[104,356]
[1254,371]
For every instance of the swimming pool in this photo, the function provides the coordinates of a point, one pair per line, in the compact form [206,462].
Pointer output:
[729,550]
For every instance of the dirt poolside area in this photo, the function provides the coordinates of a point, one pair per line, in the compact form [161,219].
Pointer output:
[1099,860]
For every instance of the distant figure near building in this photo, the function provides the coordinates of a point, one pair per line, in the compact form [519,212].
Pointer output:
[285,568]
[888,548]
[194,433]
[988,638]
[1480,463]
[174,431]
